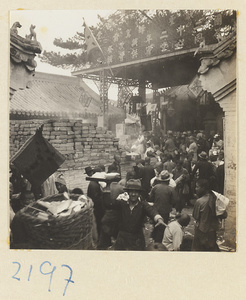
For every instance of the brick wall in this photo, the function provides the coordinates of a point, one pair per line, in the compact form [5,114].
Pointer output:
[82,144]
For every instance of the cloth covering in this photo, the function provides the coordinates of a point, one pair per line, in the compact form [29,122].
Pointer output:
[37,159]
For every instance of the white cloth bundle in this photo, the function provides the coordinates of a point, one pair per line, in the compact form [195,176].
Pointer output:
[221,203]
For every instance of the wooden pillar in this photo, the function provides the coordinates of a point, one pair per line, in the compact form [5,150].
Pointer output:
[142,89]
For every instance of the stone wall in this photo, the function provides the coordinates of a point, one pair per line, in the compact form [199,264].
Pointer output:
[221,82]
[82,144]
[230,146]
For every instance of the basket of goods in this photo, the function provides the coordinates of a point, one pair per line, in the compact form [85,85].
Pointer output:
[62,221]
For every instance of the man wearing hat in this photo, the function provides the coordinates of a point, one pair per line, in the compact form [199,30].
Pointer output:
[89,171]
[205,169]
[133,211]
[164,198]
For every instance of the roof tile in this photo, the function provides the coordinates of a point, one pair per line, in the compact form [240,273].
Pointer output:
[55,95]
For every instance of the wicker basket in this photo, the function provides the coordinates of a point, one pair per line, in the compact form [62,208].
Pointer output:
[70,232]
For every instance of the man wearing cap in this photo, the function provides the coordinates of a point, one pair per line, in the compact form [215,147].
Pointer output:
[89,171]
[133,211]
[164,198]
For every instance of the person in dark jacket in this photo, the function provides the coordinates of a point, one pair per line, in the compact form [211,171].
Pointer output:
[205,169]
[207,223]
[94,191]
[181,178]
[164,198]
[146,173]
[133,211]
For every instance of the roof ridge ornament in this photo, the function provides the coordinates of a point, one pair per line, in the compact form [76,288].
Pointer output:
[32,34]
[14,28]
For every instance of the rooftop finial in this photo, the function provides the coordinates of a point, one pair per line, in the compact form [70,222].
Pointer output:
[32,33]
[14,28]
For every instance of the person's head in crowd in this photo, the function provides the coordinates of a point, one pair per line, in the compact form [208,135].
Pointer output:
[183,219]
[158,167]
[169,157]
[60,184]
[150,153]
[26,198]
[156,147]
[199,135]
[202,187]
[164,177]
[216,137]
[102,167]
[133,188]
[117,158]
[170,134]
[191,139]
[203,156]
[221,155]
[163,157]
[112,168]
[178,134]
[179,164]
[77,191]
[148,143]
[89,171]
[130,175]
[147,160]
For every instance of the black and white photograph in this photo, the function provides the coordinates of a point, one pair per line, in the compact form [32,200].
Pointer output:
[123,130]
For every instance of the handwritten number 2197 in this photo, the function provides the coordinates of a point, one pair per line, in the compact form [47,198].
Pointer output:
[43,271]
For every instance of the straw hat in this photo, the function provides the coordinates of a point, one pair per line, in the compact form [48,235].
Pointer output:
[164,176]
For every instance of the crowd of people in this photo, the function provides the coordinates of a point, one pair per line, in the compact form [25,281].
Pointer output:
[184,169]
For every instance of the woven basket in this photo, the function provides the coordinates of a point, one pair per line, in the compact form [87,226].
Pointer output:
[70,232]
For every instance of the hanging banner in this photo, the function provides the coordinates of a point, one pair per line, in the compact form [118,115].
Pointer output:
[195,87]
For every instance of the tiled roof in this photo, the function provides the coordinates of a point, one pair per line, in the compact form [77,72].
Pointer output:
[52,95]
[212,55]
